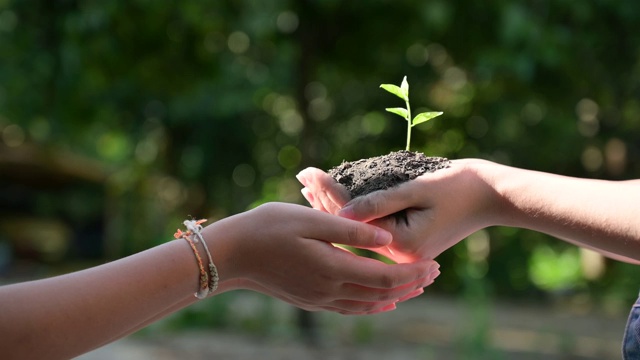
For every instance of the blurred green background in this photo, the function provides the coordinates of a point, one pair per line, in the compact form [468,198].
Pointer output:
[120,118]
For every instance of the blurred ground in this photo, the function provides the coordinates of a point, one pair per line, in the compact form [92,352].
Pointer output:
[430,327]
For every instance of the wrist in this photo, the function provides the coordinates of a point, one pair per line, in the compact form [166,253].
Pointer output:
[224,241]
[487,182]
[508,186]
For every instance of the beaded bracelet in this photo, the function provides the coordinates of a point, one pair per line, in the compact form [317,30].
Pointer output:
[208,283]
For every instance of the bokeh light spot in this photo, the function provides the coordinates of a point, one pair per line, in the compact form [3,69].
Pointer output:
[191,161]
[8,21]
[289,157]
[244,175]
[455,78]
[437,55]
[13,135]
[592,158]
[287,22]
[373,123]
[320,109]
[477,127]
[615,153]
[592,263]
[532,113]
[291,122]
[587,111]
[478,246]
[113,146]
[40,129]
[417,55]
[146,151]
[315,90]
[238,42]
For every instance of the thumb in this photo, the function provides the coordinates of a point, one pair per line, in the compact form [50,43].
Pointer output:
[372,237]
[361,235]
[334,229]
[378,204]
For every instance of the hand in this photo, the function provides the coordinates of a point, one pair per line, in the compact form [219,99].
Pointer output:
[285,251]
[441,208]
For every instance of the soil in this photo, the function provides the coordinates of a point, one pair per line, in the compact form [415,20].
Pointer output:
[364,176]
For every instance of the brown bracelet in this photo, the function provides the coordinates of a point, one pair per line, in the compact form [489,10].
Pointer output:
[203,291]
[208,283]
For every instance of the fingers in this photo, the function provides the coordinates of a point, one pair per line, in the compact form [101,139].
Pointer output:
[379,204]
[337,290]
[343,305]
[399,293]
[376,274]
[354,299]
[366,302]
[322,191]
[413,294]
[313,201]
[349,307]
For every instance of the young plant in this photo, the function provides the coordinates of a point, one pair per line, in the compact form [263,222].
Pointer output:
[403,93]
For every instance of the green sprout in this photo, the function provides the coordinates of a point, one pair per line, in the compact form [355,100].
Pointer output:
[403,93]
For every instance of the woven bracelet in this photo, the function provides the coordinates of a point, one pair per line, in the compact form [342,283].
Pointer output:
[195,228]
[208,282]
[203,289]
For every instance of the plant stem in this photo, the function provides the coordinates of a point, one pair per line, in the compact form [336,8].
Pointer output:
[408,124]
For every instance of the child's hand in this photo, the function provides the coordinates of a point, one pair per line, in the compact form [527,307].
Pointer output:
[285,251]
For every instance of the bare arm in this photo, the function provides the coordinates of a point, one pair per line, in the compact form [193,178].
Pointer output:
[601,215]
[65,316]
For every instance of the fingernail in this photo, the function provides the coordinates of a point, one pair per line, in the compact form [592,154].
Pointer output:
[383,237]
[303,180]
[411,295]
[307,195]
[434,267]
[346,212]
[389,307]
[433,275]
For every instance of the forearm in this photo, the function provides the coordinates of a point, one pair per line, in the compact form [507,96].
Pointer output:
[602,215]
[223,287]
[86,309]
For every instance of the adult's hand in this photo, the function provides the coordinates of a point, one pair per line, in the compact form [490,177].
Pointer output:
[440,208]
[447,205]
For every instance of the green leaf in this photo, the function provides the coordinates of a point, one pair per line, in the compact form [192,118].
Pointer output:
[425,116]
[399,111]
[405,88]
[395,90]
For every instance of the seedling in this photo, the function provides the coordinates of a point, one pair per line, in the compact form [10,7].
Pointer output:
[403,93]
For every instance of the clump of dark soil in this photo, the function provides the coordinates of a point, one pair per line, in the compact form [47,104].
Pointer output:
[364,176]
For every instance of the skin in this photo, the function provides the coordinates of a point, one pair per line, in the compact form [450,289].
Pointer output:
[448,205]
[282,250]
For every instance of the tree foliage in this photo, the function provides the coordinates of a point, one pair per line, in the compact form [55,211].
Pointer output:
[209,107]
